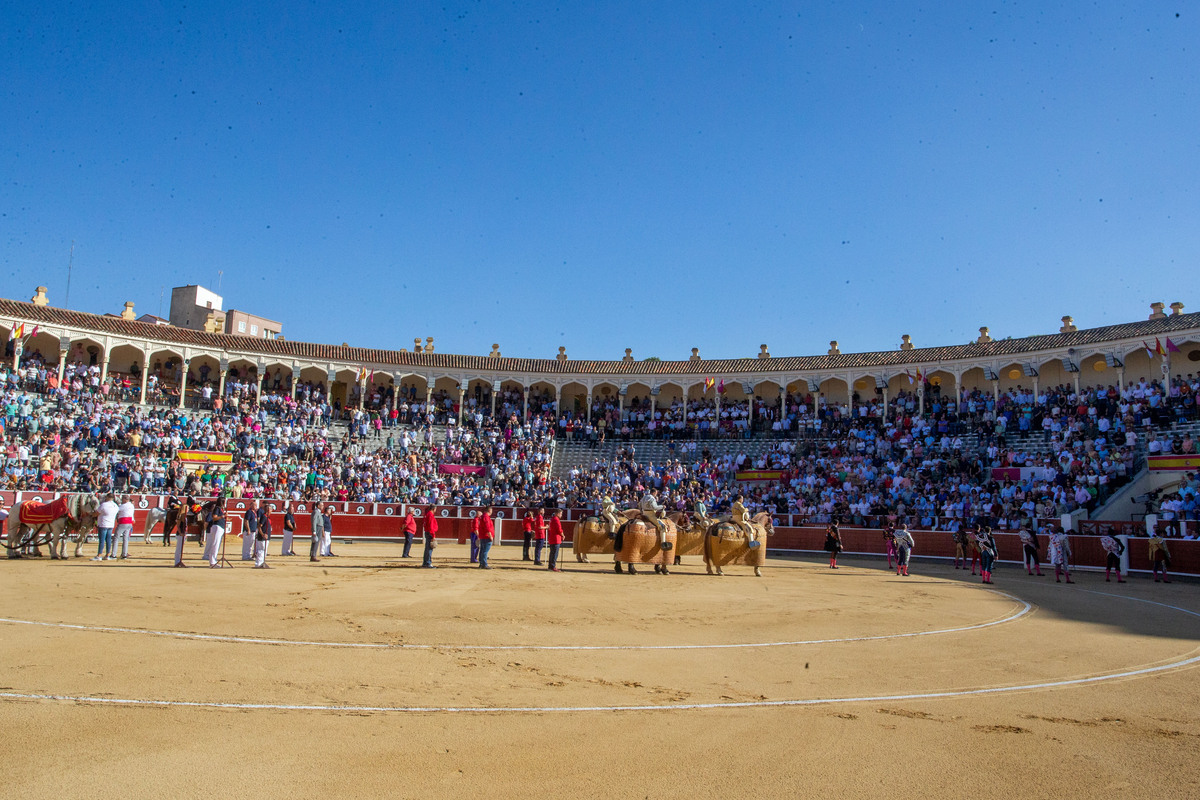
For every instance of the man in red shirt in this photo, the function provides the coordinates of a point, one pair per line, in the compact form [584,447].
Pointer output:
[527,527]
[410,530]
[556,538]
[486,531]
[430,527]
[475,539]
[539,537]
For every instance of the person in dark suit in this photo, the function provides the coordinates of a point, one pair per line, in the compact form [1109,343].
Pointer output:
[263,538]
[289,528]
[318,532]
[249,530]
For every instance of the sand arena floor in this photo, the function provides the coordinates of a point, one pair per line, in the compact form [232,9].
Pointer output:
[362,676]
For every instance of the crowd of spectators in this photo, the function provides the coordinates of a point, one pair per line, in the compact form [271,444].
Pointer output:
[1007,461]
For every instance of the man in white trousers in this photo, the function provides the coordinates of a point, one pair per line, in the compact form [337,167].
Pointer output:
[327,536]
[216,533]
[289,528]
[124,526]
[262,538]
[249,530]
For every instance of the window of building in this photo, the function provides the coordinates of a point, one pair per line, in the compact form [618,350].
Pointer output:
[254,330]
[241,327]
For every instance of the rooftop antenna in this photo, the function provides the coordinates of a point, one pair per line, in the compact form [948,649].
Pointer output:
[70,262]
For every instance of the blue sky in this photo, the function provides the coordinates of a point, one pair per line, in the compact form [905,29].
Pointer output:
[658,176]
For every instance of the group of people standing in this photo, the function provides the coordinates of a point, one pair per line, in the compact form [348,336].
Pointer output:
[538,533]
[114,524]
[983,550]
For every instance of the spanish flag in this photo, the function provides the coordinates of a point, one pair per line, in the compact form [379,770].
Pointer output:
[18,331]
[1158,348]
[920,376]
[709,383]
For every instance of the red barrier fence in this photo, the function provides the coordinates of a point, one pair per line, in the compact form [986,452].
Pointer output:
[384,521]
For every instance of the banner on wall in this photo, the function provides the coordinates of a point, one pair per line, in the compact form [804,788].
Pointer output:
[752,475]
[460,469]
[198,457]
[1022,473]
[1173,463]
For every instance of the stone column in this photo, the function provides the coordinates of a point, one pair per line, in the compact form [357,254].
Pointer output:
[850,395]
[183,381]
[885,405]
[222,367]
[295,380]
[62,366]
[145,377]
[589,405]
[525,404]
[462,397]
[494,392]
[782,403]
[996,391]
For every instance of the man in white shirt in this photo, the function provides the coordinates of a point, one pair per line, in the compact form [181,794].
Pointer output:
[105,523]
[124,526]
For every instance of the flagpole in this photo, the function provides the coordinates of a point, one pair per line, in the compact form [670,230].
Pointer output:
[70,263]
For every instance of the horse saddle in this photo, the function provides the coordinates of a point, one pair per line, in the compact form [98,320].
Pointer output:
[33,513]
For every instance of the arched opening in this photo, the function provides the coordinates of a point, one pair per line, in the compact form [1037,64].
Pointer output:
[478,400]
[278,379]
[574,401]
[312,385]
[510,401]
[1013,379]
[163,380]
[410,398]
[542,400]
[345,392]
[124,379]
[636,410]
[769,415]
[606,408]
[41,349]
[85,352]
